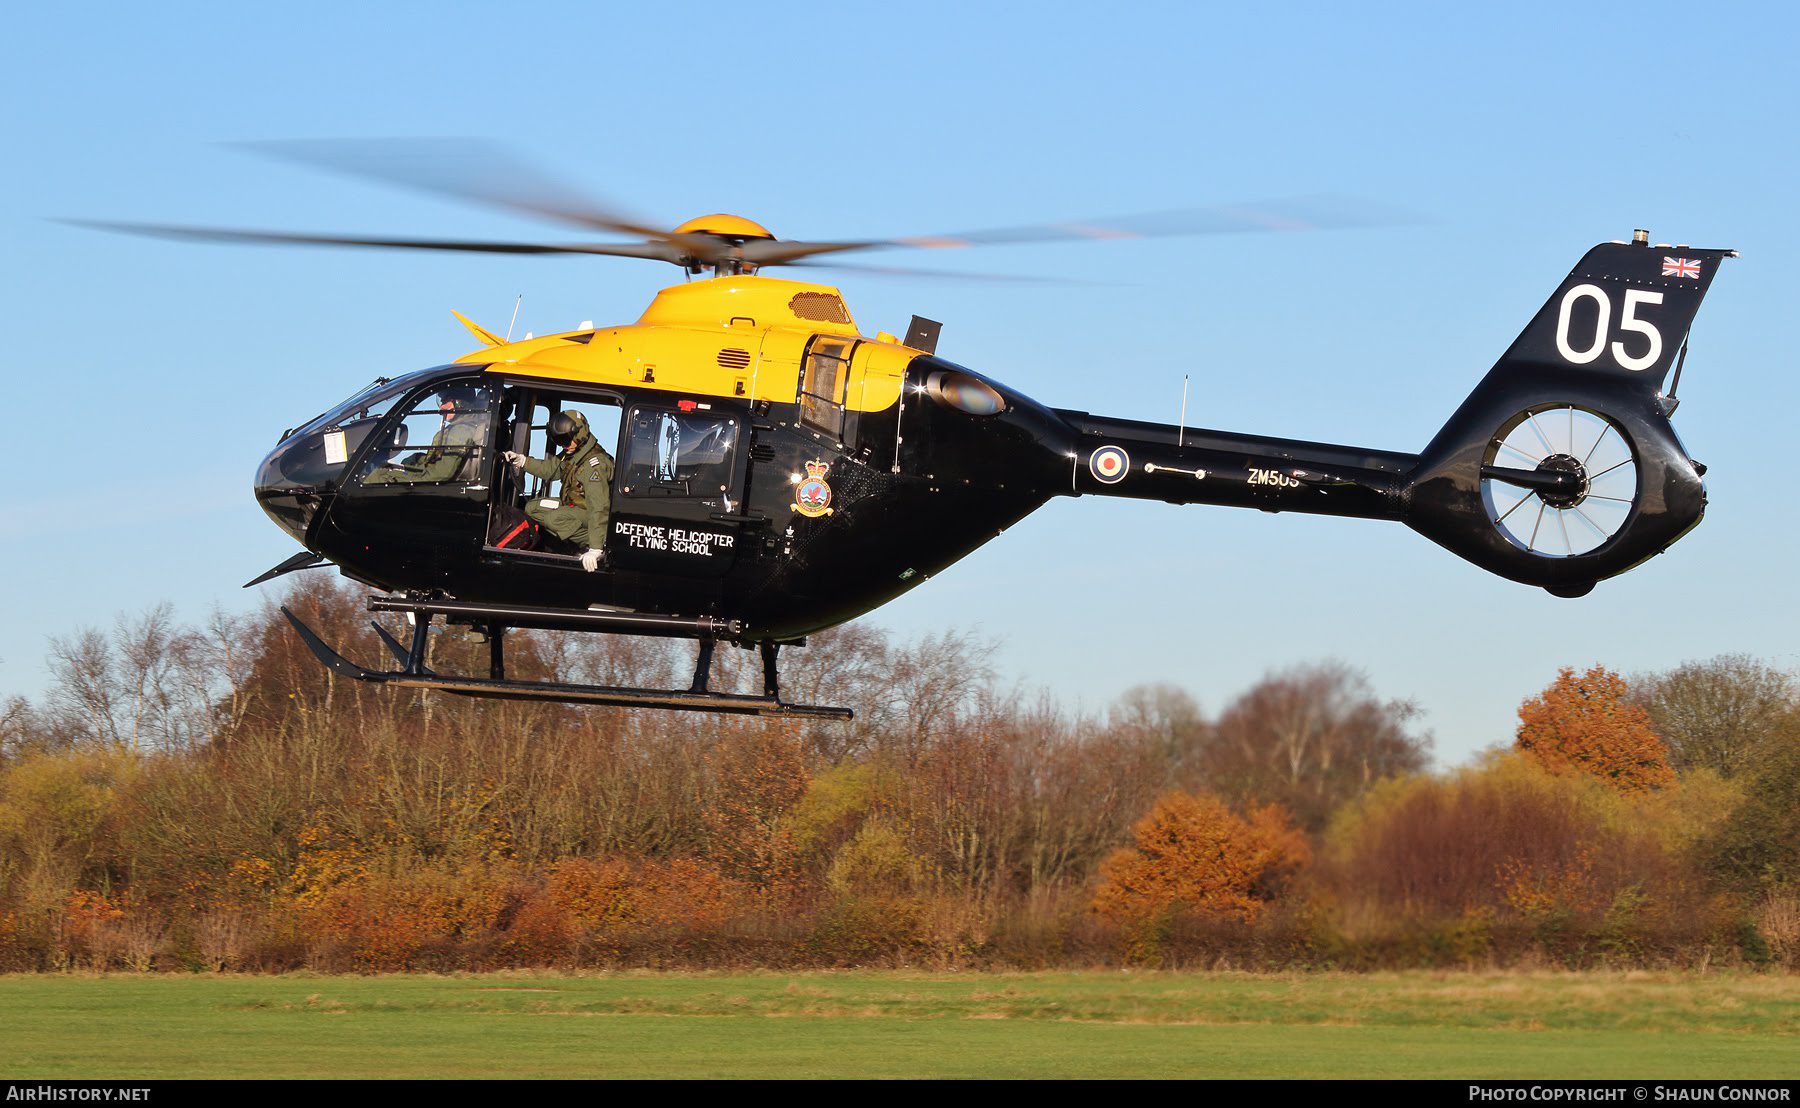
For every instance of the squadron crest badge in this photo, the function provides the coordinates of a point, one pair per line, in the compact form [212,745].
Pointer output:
[812,497]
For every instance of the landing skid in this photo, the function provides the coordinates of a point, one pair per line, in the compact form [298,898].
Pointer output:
[697,698]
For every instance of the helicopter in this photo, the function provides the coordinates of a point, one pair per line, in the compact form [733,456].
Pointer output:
[778,471]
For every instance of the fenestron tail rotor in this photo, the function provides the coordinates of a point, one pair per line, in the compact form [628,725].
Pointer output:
[484,173]
[1560,481]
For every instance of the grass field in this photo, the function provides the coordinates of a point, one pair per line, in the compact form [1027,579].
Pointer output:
[1638,1026]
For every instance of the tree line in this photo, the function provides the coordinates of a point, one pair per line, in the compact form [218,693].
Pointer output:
[209,797]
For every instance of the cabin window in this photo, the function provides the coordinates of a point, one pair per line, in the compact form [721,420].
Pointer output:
[530,427]
[441,438]
[673,453]
[823,379]
[316,452]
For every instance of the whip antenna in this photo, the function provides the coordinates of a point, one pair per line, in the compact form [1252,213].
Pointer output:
[1181,428]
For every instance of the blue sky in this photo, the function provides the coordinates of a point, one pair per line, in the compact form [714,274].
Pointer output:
[148,377]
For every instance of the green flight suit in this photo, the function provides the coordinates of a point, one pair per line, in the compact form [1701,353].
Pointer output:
[455,445]
[583,508]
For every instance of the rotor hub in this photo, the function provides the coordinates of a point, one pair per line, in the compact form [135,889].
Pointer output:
[1565,463]
[732,228]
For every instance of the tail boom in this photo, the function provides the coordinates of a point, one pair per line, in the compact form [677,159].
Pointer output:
[1151,461]
[1559,470]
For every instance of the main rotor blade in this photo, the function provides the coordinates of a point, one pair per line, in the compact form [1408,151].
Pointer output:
[474,170]
[1315,213]
[937,274]
[658,251]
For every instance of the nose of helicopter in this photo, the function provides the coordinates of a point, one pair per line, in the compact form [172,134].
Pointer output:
[290,481]
[291,510]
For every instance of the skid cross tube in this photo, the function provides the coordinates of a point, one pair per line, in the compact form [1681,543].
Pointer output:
[565,619]
[771,683]
[703,666]
[415,658]
[400,653]
[416,676]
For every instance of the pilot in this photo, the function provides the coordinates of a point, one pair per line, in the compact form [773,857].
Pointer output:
[454,447]
[583,512]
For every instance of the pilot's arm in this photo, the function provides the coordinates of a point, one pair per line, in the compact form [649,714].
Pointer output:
[596,477]
[544,468]
[438,463]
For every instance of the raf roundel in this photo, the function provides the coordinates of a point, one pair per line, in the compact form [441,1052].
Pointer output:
[1109,465]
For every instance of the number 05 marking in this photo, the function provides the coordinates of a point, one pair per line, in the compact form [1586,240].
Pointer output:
[1628,321]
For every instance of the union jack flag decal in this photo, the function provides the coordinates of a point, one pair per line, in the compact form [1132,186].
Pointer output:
[1681,267]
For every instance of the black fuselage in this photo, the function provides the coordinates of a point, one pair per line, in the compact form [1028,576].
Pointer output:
[909,491]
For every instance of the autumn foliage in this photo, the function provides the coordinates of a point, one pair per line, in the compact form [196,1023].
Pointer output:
[1508,857]
[212,799]
[1586,725]
[1194,853]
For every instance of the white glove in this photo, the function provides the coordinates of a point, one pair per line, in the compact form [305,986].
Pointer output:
[514,459]
[592,559]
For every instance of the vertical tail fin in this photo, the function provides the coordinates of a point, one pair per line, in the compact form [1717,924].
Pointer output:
[1561,468]
[1623,311]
